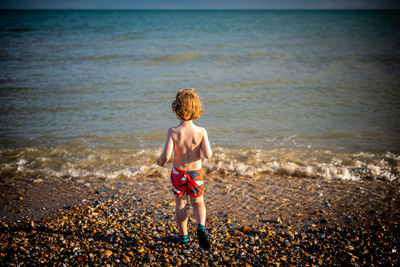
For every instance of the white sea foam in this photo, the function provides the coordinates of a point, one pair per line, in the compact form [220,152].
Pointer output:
[88,162]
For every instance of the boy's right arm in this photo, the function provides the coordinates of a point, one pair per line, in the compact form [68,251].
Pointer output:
[167,152]
[205,145]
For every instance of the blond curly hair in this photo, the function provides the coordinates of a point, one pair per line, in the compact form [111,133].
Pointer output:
[187,105]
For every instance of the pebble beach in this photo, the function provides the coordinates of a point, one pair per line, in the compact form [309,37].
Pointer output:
[301,108]
[284,221]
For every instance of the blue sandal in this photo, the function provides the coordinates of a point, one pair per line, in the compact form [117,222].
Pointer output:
[203,237]
[184,238]
[180,239]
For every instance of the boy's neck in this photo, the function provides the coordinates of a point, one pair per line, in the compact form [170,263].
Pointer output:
[190,122]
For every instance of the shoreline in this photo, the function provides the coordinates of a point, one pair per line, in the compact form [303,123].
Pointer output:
[280,219]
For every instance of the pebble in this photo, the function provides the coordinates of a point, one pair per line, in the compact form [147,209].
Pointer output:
[246,229]
[107,253]
[187,251]
[109,233]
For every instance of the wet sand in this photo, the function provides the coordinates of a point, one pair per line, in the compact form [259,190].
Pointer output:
[276,220]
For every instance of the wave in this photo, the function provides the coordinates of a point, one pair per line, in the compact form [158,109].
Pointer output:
[80,161]
[180,57]
[255,54]
[323,164]
[272,56]
[17,88]
[255,83]
[105,57]
[21,29]
[326,136]
[122,38]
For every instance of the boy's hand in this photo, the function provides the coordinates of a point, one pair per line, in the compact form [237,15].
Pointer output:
[159,162]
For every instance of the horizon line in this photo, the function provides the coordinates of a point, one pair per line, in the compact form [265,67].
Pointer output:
[201,9]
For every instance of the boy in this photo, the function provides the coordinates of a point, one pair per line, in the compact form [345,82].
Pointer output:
[187,141]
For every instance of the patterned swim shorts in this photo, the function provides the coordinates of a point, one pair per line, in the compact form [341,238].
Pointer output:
[187,181]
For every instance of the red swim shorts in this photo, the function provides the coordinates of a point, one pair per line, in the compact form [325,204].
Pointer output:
[187,181]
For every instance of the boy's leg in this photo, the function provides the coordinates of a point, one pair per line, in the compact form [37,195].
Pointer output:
[199,209]
[181,214]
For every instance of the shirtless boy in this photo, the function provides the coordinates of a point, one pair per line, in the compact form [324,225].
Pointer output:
[188,141]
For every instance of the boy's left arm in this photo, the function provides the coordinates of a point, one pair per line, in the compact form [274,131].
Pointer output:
[205,145]
[167,152]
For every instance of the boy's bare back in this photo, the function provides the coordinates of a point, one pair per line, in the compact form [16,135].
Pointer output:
[187,141]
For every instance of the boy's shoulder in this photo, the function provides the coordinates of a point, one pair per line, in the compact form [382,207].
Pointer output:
[202,129]
[173,128]
[199,129]
[178,128]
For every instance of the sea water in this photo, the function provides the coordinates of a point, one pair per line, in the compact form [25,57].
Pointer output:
[307,93]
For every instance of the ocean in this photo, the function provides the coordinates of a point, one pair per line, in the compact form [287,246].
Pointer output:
[87,94]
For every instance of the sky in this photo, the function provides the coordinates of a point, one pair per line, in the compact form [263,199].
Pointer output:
[199,4]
